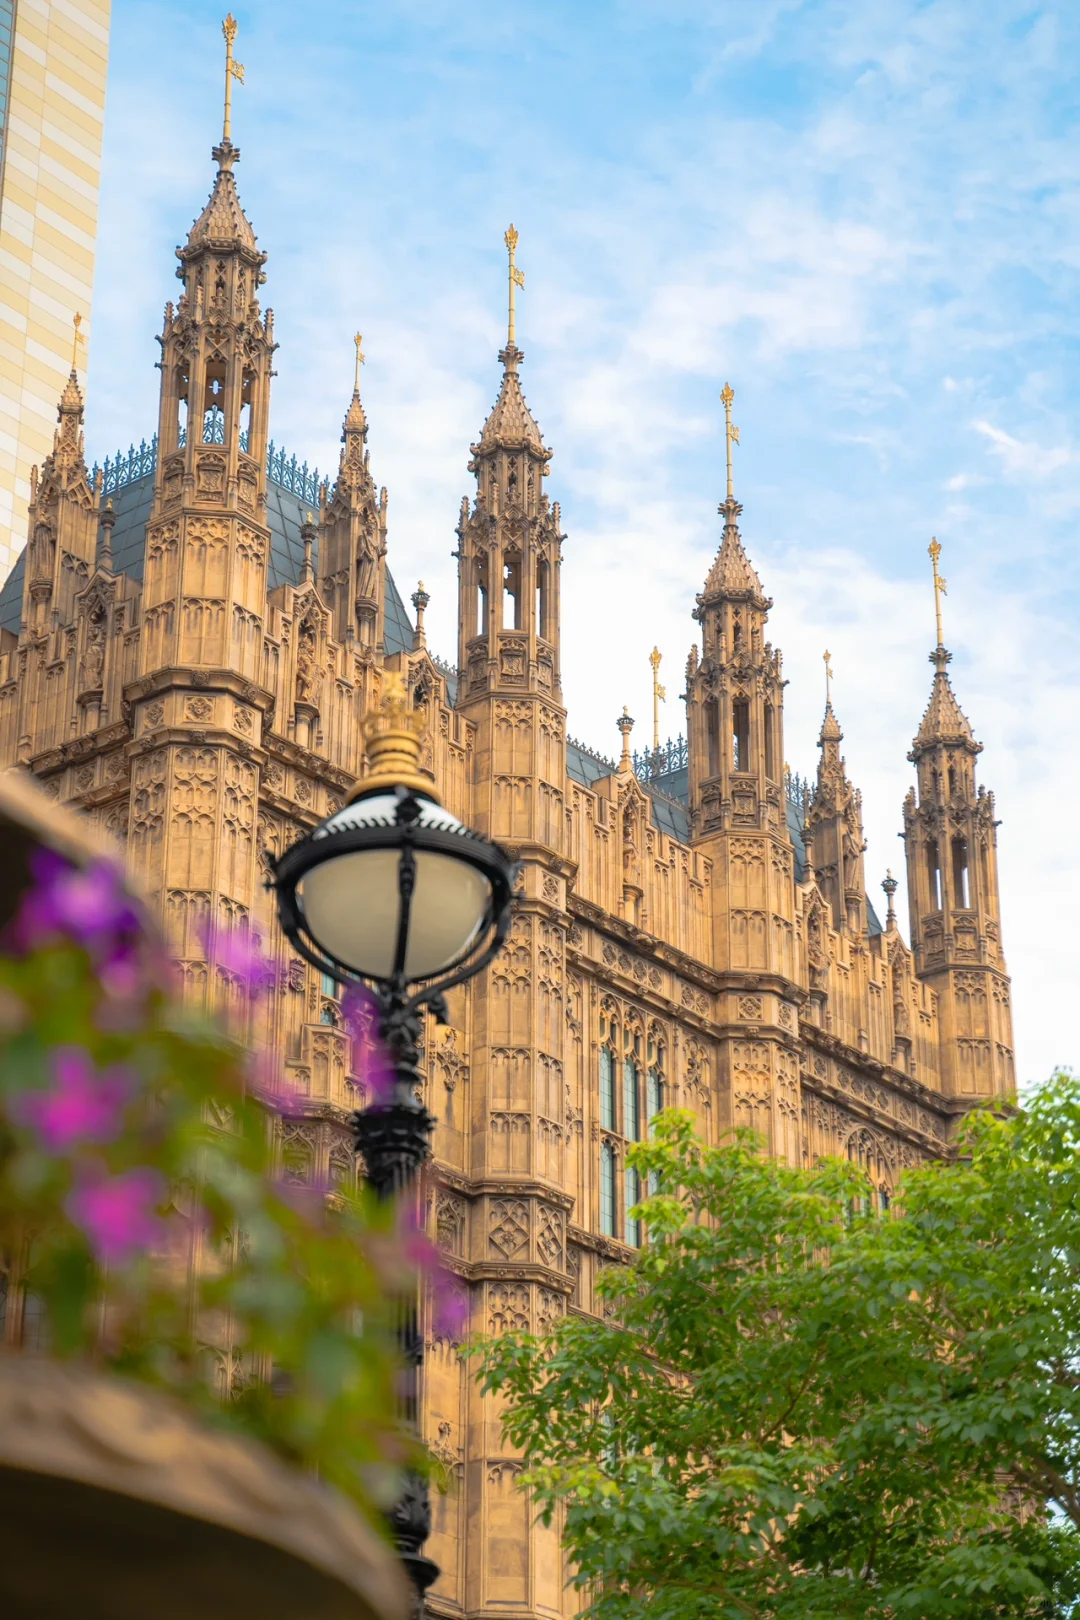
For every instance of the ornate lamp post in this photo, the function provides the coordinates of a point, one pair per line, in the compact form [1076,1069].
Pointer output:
[393,892]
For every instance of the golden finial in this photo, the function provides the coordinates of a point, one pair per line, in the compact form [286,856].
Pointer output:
[731,434]
[393,737]
[360,358]
[76,340]
[934,552]
[233,70]
[828,677]
[659,695]
[517,279]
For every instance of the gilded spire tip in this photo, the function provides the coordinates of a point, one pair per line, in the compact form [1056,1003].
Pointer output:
[517,279]
[933,551]
[233,70]
[731,434]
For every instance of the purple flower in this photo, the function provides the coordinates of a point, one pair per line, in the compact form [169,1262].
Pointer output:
[238,954]
[449,1305]
[370,1060]
[82,1105]
[117,1213]
[89,904]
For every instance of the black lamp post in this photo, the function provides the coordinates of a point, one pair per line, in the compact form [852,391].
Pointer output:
[394,892]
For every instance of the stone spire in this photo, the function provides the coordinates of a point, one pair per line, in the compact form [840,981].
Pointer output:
[834,822]
[509,547]
[950,836]
[352,553]
[223,223]
[732,571]
[944,721]
[511,425]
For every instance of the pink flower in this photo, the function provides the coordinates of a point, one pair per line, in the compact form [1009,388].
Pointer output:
[90,904]
[82,1105]
[238,953]
[117,1213]
[370,1060]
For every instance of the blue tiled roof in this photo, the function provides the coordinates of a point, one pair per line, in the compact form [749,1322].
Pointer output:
[284,514]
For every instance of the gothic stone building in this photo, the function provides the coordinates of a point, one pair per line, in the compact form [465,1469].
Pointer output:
[188,644]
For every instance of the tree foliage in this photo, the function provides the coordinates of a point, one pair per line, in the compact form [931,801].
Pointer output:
[790,1408]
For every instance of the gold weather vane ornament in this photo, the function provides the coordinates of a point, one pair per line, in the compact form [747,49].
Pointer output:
[934,552]
[828,677]
[360,358]
[731,434]
[659,695]
[76,340]
[233,70]
[517,279]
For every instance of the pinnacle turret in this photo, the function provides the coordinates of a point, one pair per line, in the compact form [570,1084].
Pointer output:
[944,721]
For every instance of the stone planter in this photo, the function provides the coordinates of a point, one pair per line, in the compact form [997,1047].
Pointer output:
[116,1504]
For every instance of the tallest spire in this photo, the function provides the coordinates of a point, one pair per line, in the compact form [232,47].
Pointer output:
[944,720]
[223,223]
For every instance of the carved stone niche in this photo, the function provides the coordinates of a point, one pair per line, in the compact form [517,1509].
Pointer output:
[160,1515]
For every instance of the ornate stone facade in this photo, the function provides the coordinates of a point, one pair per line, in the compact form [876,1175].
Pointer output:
[187,658]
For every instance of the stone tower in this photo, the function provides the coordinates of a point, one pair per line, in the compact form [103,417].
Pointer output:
[735,733]
[950,837]
[201,652]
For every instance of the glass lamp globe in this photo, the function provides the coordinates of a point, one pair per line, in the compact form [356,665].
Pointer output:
[384,910]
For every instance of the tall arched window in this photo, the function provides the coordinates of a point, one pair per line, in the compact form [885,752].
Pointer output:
[933,872]
[512,593]
[961,889]
[631,1099]
[607,1189]
[740,735]
[712,734]
[770,744]
[542,601]
[607,1088]
[632,1196]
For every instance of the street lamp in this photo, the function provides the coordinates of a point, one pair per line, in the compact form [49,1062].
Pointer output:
[393,892]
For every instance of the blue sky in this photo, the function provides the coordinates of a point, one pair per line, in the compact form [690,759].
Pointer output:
[866,215]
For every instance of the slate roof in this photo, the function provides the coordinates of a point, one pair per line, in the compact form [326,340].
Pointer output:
[284,515]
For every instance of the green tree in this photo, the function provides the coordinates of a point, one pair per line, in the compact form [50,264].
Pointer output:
[789,1408]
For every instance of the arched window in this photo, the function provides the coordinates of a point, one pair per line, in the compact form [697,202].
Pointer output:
[542,601]
[607,1088]
[632,1196]
[481,597]
[512,593]
[933,872]
[740,735]
[631,1100]
[961,891]
[770,744]
[607,1189]
[712,734]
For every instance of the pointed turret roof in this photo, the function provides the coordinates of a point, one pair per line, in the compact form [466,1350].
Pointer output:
[223,222]
[356,423]
[732,571]
[511,425]
[944,720]
[830,726]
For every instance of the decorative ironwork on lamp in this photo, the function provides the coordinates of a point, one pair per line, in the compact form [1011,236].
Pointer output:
[393,892]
